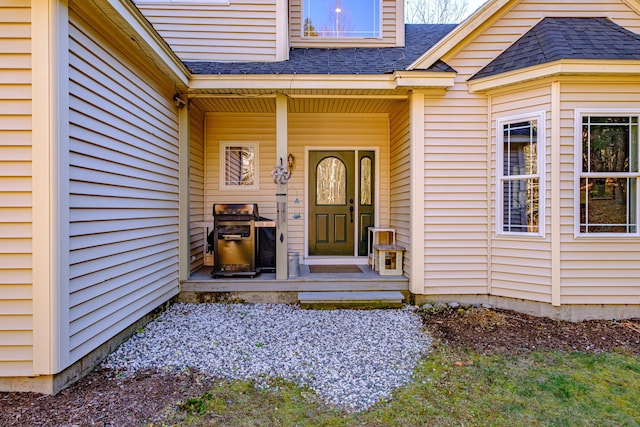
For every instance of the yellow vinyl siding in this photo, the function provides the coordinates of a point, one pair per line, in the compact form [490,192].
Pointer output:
[244,30]
[123,191]
[305,130]
[239,127]
[456,169]
[400,178]
[16,321]
[595,270]
[389,28]
[455,183]
[521,266]
[197,208]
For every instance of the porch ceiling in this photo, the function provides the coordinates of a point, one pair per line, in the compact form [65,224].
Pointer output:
[256,104]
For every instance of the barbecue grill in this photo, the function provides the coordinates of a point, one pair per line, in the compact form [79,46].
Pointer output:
[234,239]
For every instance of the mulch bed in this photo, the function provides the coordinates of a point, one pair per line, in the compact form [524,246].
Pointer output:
[105,399]
[491,331]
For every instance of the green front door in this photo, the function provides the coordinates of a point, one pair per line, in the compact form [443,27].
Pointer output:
[331,202]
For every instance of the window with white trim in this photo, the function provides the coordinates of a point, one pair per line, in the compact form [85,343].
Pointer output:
[608,174]
[519,171]
[239,165]
[337,18]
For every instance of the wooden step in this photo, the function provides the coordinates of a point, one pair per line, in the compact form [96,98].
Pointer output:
[328,300]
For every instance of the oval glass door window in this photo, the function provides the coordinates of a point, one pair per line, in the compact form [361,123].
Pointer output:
[331,182]
[365,181]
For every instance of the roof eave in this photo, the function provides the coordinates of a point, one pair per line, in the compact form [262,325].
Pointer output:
[390,81]
[565,67]
[131,22]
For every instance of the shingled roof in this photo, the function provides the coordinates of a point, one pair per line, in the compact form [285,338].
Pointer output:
[418,39]
[553,39]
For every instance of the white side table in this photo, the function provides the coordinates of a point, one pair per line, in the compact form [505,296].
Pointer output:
[378,236]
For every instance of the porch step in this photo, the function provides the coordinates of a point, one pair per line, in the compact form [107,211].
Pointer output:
[328,300]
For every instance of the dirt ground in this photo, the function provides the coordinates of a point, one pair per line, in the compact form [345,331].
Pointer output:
[105,399]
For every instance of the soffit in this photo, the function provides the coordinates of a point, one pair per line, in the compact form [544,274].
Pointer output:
[299,105]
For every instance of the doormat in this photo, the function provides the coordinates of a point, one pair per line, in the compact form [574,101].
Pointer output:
[351,268]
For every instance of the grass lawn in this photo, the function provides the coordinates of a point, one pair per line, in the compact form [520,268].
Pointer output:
[453,387]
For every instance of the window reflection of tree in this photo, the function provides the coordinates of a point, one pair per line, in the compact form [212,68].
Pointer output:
[521,196]
[338,20]
[365,181]
[331,182]
[607,203]
[239,169]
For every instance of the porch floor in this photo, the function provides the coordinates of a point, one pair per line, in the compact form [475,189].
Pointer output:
[368,280]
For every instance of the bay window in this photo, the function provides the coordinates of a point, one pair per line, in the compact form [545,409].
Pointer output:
[608,174]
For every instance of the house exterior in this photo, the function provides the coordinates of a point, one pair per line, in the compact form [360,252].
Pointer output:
[503,152]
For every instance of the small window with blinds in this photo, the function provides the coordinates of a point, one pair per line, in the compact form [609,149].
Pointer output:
[520,189]
[239,166]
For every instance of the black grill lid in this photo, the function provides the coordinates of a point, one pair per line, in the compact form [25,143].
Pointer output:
[236,210]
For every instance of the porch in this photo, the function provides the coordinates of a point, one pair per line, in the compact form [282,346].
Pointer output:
[366,135]
[366,280]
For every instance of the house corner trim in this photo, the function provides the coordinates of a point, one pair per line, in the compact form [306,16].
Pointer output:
[555,196]
[416,114]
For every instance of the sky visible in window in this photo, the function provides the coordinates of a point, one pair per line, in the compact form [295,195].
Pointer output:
[360,18]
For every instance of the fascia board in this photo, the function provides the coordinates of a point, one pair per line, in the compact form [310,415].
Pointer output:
[458,34]
[148,37]
[574,67]
[424,79]
[323,81]
[290,81]
[633,4]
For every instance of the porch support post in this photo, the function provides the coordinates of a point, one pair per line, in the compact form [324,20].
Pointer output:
[184,252]
[282,242]
[416,119]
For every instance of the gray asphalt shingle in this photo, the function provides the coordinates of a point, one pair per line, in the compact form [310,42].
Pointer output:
[418,37]
[553,39]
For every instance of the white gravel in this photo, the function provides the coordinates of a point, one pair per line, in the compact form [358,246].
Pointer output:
[351,358]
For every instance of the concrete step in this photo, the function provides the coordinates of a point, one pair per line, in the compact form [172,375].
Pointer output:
[328,300]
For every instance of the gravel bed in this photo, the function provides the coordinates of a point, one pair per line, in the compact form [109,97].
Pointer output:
[350,358]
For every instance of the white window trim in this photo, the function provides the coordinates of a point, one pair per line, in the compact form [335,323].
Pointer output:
[541,175]
[577,171]
[256,172]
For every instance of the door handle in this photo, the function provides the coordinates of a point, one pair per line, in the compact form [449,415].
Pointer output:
[351,211]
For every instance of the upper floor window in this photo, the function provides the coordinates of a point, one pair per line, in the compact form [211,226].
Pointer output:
[519,167]
[338,18]
[239,165]
[607,163]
